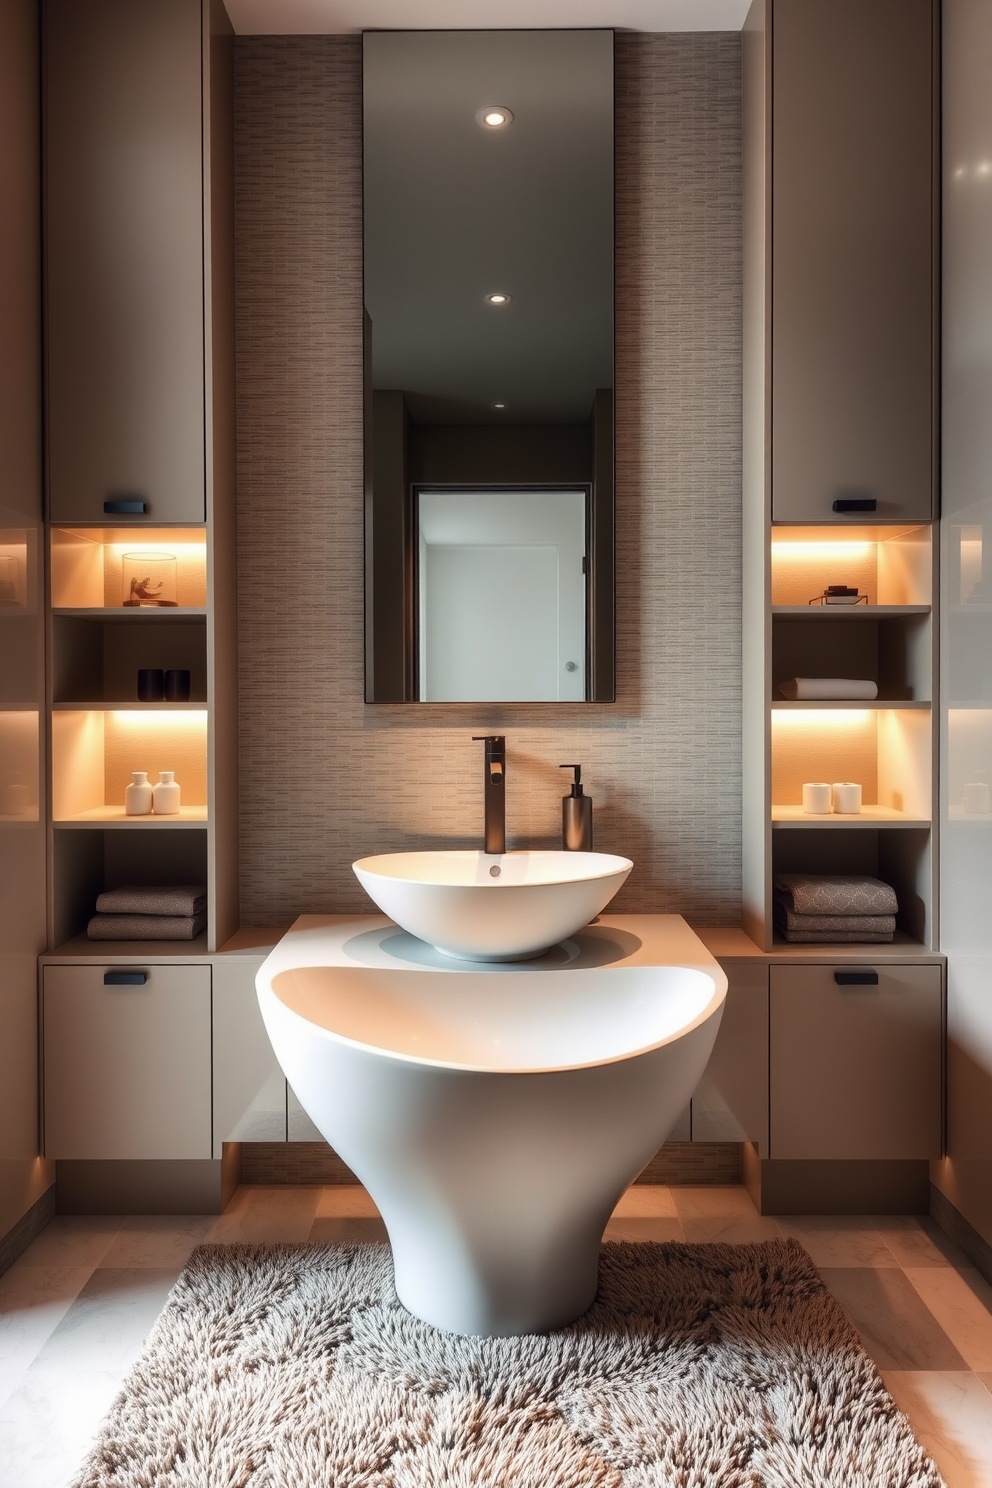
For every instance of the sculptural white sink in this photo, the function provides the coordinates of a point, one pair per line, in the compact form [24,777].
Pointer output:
[492,907]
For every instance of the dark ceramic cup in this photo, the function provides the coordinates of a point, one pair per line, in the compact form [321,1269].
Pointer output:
[177,685]
[151,684]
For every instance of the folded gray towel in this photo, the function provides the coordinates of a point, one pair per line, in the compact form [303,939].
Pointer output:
[789,920]
[827,689]
[180,899]
[835,894]
[830,937]
[145,927]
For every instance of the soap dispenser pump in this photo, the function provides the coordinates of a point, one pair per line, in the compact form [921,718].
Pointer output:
[576,815]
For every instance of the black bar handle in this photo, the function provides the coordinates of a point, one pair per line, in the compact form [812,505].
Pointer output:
[856,978]
[855,504]
[125,978]
[128,508]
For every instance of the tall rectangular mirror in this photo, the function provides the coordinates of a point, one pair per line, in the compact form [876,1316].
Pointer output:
[488,220]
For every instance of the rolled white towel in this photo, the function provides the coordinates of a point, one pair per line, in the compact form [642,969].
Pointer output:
[828,689]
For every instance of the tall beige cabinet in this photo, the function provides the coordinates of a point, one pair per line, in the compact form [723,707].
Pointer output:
[840,398]
[138,209]
[26,1193]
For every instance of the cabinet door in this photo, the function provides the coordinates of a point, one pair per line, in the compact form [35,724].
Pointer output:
[127,1068]
[856,1071]
[852,258]
[731,1100]
[124,262]
[249,1086]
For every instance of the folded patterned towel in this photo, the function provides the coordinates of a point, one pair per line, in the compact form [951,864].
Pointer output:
[145,927]
[826,689]
[835,894]
[181,899]
[789,920]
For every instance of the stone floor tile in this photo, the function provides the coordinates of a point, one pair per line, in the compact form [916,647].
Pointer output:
[33,1301]
[915,1240]
[896,1326]
[744,1229]
[107,1323]
[50,1423]
[641,1228]
[365,1229]
[712,1201]
[961,1301]
[837,1239]
[161,1241]
[72,1240]
[646,1201]
[346,1201]
[951,1415]
[266,1216]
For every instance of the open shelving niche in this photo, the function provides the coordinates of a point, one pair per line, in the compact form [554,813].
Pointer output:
[888,745]
[101,732]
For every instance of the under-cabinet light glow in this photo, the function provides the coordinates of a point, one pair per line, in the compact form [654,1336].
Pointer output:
[191,719]
[808,550]
[821,718]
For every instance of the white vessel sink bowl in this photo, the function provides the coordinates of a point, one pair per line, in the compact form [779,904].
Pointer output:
[486,907]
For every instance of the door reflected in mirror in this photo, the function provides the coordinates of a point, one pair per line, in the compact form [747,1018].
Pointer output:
[488,260]
[501,600]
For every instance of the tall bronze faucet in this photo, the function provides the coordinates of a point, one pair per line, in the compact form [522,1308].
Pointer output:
[495,791]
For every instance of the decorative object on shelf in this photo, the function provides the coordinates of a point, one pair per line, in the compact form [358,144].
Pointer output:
[834,908]
[138,795]
[177,685]
[976,800]
[829,690]
[169,912]
[817,798]
[576,815]
[149,580]
[151,684]
[846,798]
[166,794]
[839,594]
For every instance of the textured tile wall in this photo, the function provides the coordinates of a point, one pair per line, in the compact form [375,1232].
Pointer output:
[325,778]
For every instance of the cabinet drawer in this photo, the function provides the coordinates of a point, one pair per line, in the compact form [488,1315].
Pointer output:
[127,1068]
[856,1071]
[731,1100]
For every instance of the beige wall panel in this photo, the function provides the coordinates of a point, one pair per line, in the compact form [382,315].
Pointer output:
[327,778]
[856,1072]
[127,1069]
[124,232]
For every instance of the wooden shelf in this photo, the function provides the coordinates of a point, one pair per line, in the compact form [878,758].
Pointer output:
[870,816]
[122,612]
[193,706]
[128,952]
[115,816]
[790,705]
[847,612]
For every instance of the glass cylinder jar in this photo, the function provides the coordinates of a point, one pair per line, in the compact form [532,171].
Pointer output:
[149,579]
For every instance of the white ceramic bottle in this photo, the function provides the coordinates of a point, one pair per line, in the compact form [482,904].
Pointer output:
[166,794]
[138,795]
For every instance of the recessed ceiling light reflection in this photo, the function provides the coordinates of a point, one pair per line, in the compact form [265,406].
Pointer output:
[494,116]
[497,298]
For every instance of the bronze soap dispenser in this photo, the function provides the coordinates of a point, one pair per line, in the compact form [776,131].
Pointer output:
[576,815]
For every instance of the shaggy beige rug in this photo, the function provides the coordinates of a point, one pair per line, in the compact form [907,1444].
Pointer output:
[699,1366]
